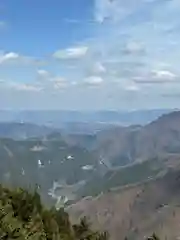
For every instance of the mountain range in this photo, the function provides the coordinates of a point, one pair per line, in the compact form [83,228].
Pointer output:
[142,196]
[21,130]
[125,145]
[70,166]
[82,121]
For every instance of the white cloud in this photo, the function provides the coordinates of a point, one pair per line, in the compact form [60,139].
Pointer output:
[26,87]
[116,9]
[59,83]
[103,9]
[10,56]
[71,53]
[134,37]
[130,42]
[157,77]
[50,81]
[93,81]
[43,73]
[164,75]
[132,88]
[18,86]
[134,47]
[13,58]
[99,68]
[91,67]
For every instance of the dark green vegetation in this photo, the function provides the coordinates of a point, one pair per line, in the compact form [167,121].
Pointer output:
[60,162]
[122,177]
[22,216]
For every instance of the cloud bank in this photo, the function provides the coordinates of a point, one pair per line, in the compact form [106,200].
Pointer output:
[132,56]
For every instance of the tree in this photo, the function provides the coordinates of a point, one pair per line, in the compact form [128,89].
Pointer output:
[22,216]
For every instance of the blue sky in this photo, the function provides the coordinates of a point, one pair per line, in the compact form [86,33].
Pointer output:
[89,54]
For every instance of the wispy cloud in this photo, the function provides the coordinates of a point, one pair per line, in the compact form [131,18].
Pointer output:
[117,10]
[10,58]
[93,81]
[132,88]
[134,50]
[43,75]
[17,86]
[158,77]
[71,53]
[26,87]
[50,82]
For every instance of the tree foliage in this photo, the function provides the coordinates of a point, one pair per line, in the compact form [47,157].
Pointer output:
[23,216]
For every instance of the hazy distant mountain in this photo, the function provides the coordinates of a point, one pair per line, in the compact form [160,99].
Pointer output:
[82,121]
[85,163]
[21,130]
[122,146]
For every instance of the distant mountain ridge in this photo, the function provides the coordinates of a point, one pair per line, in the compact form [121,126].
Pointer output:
[21,130]
[137,143]
[60,118]
[77,162]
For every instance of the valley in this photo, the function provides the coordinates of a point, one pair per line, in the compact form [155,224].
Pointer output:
[68,167]
[118,176]
[89,120]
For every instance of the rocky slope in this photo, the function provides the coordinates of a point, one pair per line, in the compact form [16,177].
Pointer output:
[136,211]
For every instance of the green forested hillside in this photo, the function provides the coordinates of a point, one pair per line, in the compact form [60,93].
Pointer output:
[37,161]
[22,216]
[122,177]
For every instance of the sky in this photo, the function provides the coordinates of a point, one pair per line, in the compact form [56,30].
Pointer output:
[89,54]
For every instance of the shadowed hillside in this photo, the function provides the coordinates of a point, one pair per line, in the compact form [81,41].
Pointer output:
[136,211]
[43,162]
[160,138]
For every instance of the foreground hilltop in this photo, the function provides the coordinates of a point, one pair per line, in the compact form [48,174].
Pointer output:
[22,216]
